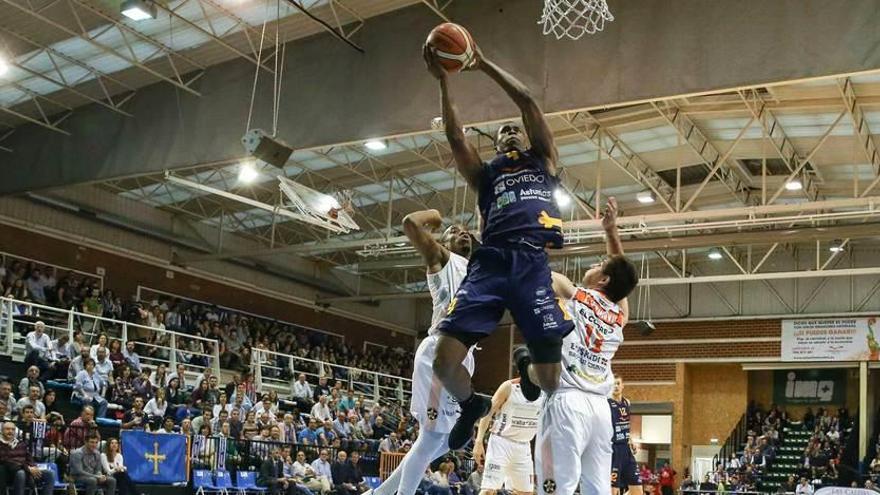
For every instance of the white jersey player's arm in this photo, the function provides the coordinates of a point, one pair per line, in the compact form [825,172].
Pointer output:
[562,286]
[498,401]
[613,245]
[419,227]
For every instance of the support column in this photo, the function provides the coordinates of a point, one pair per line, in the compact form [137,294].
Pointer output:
[863,409]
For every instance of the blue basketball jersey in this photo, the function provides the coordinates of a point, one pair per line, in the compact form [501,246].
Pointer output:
[620,420]
[516,202]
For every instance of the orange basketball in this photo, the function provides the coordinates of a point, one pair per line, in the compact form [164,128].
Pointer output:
[453,45]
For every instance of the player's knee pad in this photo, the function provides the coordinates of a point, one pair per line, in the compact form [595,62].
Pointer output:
[546,350]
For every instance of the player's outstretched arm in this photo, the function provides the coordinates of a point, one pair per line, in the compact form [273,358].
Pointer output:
[467,160]
[419,227]
[562,286]
[613,244]
[498,400]
[540,135]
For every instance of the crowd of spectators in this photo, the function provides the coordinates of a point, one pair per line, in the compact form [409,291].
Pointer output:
[817,465]
[240,335]
[327,423]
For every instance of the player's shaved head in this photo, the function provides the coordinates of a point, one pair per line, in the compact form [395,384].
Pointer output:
[509,137]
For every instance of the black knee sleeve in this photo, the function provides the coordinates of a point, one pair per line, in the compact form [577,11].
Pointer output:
[546,350]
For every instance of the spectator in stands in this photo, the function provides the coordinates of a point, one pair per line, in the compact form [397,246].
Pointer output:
[688,484]
[302,392]
[87,469]
[345,477]
[265,406]
[309,436]
[389,443]
[200,396]
[667,479]
[131,356]
[156,408]
[218,420]
[222,404]
[78,363]
[135,418]
[31,380]
[206,418]
[103,366]
[102,342]
[49,401]
[474,481]
[326,435]
[249,428]
[142,385]
[342,427]
[113,463]
[323,469]
[804,487]
[116,356]
[167,425]
[122,391]
[439,480]
[88,388]
[321,389]
[6,396]
[37,346]
[236,425]
[36,285]
[33,400]
[306,475]
[17,468]
[204,376]
[79,428]
[272,475]
[158,378]
[186,427]
[320,410]
[380,429]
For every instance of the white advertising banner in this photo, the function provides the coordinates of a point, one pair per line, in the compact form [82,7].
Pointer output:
[830,339]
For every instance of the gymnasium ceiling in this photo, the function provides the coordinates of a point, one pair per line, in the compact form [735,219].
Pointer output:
[717,150]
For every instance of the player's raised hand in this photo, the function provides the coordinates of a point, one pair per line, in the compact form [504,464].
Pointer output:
[432,63]
[609,214]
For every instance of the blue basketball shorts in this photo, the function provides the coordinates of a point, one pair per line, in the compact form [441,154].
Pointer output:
[516,279]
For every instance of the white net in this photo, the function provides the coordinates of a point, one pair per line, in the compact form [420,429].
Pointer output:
[574,18]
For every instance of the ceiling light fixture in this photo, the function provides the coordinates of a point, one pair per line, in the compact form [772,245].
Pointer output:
[715,255]
[836,246]
[4,66]
[794,185]
[138,10]
[375,144]
[247,172]
[561,197]
[645,197]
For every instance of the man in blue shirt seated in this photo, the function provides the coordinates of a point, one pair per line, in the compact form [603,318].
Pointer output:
[309,436]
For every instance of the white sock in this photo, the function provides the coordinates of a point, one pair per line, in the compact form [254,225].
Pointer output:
[406,478]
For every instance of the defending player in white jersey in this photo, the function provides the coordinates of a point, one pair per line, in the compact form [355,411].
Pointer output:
[436,411]
[508,462]
[575,432]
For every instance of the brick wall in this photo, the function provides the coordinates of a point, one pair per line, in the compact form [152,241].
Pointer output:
[660,372]
[710,329]
[744,350]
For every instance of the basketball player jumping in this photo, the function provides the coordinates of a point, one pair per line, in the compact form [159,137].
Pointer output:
[446,263]
[624,470]
[508,462]
[510,271]
[575,432]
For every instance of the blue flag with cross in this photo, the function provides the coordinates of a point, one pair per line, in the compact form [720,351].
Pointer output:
[157,458]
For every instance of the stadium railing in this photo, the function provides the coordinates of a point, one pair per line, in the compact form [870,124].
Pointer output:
[277,371]
[157,345]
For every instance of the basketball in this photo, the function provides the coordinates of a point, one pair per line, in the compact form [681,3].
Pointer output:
[453,45]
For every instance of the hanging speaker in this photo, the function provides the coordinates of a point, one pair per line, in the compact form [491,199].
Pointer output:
[263,147]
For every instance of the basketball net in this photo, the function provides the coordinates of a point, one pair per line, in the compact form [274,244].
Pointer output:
[574,18]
